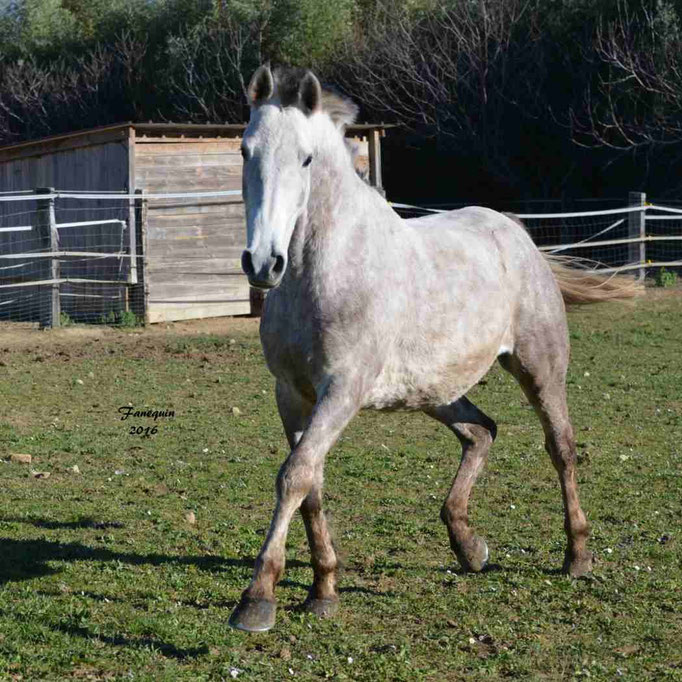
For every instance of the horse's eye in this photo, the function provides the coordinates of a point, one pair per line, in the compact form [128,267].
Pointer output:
[307,162]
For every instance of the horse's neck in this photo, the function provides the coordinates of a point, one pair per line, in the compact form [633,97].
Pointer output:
[339,223]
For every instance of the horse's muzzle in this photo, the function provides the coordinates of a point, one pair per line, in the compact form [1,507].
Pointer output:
[263,273]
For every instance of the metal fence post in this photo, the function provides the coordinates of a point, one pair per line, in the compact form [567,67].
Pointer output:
[49,237]
[637,230]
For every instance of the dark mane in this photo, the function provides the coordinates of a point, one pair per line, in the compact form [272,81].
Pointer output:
[340,109]
[287,82]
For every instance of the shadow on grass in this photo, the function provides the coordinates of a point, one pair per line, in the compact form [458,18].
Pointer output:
[83,522]
[27,559]
[72,525]
[118,640]
[166,649]
[353,588]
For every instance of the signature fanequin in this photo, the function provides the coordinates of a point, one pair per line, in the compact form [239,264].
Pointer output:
[137,430]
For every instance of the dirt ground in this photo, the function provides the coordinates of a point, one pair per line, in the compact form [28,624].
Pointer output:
[18,336]
[22,336]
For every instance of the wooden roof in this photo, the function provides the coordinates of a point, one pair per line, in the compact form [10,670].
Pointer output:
[127,131]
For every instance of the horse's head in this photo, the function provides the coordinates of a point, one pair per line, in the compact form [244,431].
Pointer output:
[279,147]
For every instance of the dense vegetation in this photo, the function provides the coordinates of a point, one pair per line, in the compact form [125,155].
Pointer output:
[497,99]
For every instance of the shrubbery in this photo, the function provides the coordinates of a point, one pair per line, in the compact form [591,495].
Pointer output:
[513,90]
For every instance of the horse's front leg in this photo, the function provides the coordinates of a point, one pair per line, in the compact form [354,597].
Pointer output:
[295,410]
[299,479]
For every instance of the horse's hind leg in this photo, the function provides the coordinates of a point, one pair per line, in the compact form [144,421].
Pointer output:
[542,375]
[476,432]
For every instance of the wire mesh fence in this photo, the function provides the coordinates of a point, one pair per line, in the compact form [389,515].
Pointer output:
[602,238]
[639,239]
[63,260]
[79,257]
[664,227]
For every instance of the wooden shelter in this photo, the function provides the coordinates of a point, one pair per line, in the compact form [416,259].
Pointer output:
[187,250]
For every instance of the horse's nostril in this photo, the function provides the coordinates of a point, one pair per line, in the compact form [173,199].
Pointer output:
[278,267]
[247,263]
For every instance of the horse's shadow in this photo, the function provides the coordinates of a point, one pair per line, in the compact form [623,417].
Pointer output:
[165,648]
[84,522]
[27,559]
[144,642]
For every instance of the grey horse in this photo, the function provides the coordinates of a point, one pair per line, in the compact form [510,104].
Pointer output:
[367,310]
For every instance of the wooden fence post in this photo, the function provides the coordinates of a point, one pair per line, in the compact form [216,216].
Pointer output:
[637,230]
[131,279]
[49,238]
[374,148]
[143,252]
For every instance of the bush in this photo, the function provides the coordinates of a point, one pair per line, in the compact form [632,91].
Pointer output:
[122,318]
[665,278]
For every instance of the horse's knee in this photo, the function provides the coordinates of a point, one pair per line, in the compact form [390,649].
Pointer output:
[312,504]
[491,427]
[324,563]
[295,479]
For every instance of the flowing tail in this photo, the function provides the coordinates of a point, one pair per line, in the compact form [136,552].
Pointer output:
[580,282]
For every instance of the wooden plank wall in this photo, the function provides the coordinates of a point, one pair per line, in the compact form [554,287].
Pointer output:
[95,167]
[193,246]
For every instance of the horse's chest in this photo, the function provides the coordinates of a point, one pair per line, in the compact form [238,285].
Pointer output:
[288,351]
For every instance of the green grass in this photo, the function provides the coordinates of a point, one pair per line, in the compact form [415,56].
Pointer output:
[103,577]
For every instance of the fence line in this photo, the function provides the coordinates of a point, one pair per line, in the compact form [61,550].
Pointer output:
[577,214]
[52,264]
[59,254]
[670,209]
[637,266]
[610,242]
[97,196]
[61,280]
[87,223]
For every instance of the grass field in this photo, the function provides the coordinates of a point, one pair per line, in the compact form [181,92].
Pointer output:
[104,574]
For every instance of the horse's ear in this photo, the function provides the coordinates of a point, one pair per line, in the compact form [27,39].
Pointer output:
[262,86]
[310,93]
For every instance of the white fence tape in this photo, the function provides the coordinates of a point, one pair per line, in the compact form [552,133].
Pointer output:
[528,216]
[123,196]
[29,195]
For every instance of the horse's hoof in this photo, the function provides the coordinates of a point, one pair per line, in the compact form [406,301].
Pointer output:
[253,615]
[473,556]
[324,608]
[578,566]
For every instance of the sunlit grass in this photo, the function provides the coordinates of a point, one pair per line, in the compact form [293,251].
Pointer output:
[102,575]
